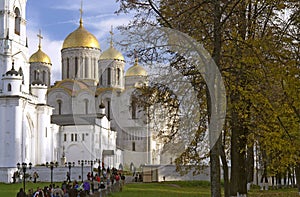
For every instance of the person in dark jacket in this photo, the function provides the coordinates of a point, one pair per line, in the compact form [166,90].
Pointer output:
[21,193]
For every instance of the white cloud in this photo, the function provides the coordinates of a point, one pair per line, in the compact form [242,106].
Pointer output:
[89,7]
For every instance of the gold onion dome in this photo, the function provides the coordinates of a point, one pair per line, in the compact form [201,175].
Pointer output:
[136,70]
[40,57]
[81,38]
[112,54]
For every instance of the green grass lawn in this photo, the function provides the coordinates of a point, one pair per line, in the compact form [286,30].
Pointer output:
[11,190]
[163,189]
[166,189]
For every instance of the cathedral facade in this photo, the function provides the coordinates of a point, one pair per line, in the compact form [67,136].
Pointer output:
[88,115]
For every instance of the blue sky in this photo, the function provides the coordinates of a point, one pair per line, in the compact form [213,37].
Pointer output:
[57,19]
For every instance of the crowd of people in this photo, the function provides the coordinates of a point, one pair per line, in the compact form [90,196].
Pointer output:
[106,180]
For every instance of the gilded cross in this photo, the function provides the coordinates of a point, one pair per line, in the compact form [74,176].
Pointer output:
[81,10]
[40,38]
[111,36]
[81,13]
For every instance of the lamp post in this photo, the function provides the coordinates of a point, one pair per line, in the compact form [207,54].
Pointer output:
[23,166]
[99,168]
[81,163]
[92,163]
[69,164]
[51,166]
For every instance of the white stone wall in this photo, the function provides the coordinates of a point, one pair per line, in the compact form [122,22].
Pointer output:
[63,96]
[40,91]
[15,82]
[16,42]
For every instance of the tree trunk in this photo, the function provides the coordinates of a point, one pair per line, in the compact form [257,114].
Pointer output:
[215,174]
[297,172]
[238,178]
[225,173]
[250,164]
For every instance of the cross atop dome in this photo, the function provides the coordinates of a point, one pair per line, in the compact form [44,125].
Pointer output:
[40,38]
[111,36]
[136,59]
[81,13]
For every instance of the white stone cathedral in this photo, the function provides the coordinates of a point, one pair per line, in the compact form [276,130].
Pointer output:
[88,115]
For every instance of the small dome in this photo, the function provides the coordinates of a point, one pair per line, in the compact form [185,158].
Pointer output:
[40,56]
[12,71]
[136,70]
[81,38]
[112,54]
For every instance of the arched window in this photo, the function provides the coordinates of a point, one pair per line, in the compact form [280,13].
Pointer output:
[9,87]
[133,107]
[101,80]
[86,106]
[68,68]
[65,137]
[108,76]
[59,103]
[72,137]
[133,146]
[44,76]
[118,76]
[76,67]
[108,110]
[34,75]
[21,73]
[17,21]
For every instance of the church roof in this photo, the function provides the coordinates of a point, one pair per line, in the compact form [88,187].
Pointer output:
[81,38]
[12,71]
[72,87]
[136,70]
[40,56]
[75,119]
[102,90]
[112,54]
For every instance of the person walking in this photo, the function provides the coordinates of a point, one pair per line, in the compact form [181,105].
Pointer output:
[35,176]
[68,177]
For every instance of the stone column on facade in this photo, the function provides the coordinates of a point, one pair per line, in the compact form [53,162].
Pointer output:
[96,69]
[82,67]
[93,68]
[64,63]
[89,68]
[72,68]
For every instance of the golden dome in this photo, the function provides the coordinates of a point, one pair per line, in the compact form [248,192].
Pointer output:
[40,56]
[81,38]
[112,54]
[136,70]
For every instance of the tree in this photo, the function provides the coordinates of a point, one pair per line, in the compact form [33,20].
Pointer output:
[247,42]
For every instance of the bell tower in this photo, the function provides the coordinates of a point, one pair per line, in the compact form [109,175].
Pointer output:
[13,38]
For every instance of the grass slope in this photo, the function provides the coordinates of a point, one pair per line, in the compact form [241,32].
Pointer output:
[163,189]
